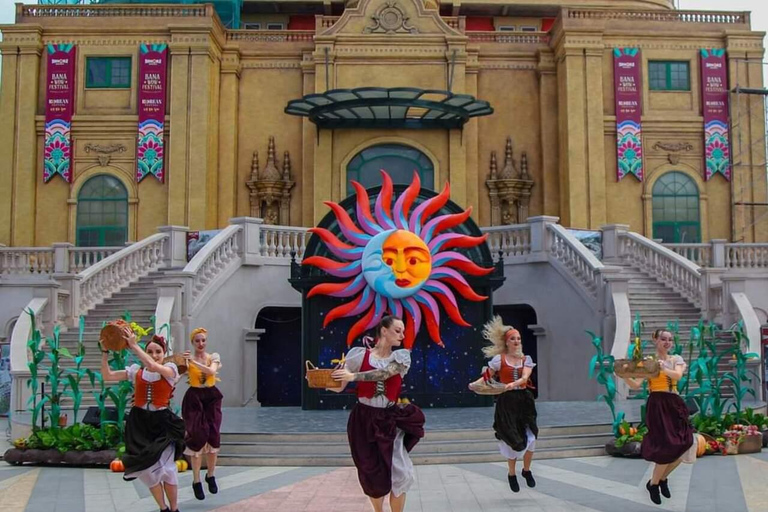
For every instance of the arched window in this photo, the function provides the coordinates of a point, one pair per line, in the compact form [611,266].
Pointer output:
[397,159]
[676,209]
[102,212]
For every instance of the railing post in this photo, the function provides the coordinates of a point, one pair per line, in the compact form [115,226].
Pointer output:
[540,240]
[710,278]
[718,253]
[250,248]
[175,250]
[61,257]
[611,235]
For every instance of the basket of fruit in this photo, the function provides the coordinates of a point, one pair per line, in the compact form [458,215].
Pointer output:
[637,367]
[113,335]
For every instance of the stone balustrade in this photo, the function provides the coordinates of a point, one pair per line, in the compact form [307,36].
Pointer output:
[673,16]
[509,241]
[271,36]
[113,11]
[21,261]
[535,38]
[721,254]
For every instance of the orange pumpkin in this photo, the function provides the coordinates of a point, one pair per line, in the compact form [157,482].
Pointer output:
[117,466]
[701,446]
[622,431]
[632,431]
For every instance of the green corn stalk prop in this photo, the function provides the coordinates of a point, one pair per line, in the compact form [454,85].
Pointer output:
[740,373]
[76,375]
[601,368]
[33,383]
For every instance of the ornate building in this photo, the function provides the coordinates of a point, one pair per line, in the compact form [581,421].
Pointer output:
[344,90]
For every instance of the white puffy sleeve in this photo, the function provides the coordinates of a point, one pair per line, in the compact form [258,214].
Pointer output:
[495,363]
[131,371]
[354,359]
[528,363]
[675,362]
[403,357]
[216,358]
[172,380]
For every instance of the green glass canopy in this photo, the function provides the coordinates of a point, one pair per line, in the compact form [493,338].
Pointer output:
[378,107]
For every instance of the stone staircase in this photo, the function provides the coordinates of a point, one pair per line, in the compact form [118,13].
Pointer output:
[139,299]
[437,447]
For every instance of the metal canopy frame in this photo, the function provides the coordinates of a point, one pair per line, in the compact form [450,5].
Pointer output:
[398,107]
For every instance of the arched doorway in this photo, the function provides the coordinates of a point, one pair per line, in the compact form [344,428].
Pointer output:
[279,370]
[398,160]
[676,217]
[102,212]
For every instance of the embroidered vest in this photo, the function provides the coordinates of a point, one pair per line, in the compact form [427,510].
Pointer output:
[157,393]
[196,377]
[509,373]
[390,388]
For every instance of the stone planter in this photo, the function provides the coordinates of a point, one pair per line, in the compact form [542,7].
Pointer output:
[17,457]
[630,449]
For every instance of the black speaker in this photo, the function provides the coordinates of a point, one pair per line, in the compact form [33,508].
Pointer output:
[93,418]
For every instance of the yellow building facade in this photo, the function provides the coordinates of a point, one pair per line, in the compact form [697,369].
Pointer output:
[544,66]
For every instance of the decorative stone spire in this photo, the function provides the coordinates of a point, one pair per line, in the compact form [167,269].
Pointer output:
[510,170]
[524,167]
[287,167]
[271,172]
[255,166]
[494,168]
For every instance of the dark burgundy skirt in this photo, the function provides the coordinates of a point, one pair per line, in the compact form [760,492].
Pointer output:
[147,435]
[670,433]
[201,410]
[515,410]
[371,432]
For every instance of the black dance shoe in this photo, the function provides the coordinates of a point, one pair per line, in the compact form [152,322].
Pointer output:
[664,488]
[513,483]
[529,478]
[198,488]
[653,490]
[212,487]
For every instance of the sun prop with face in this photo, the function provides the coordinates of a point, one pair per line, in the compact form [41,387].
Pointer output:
[397,261]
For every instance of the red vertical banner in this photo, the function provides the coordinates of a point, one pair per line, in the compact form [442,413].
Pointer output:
[59,107]
[714,102]
[627,92]
[153,65]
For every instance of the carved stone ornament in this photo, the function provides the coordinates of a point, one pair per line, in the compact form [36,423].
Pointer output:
[390,19]
[509,190]
[271,188]
[103,153]
[673,147]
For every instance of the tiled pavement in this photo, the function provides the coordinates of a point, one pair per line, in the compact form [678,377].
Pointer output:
[604,484]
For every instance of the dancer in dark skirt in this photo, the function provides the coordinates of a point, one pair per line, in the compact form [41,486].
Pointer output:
[670,435]
[201,410]
[153,434]
[381,432]
[514,419]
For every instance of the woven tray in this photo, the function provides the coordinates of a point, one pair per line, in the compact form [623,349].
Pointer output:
[320,378]
[643,369]
[751,444]
[113,336]
[483,387]
[179,360]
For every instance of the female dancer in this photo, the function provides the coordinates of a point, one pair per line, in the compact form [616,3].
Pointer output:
[669,440]
[201,410]
[381,432]
[514,419]
[153,434]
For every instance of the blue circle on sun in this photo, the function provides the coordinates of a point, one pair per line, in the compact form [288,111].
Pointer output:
[396,263]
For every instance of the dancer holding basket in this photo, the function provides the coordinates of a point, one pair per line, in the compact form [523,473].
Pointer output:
[670,435]
[201,410]
[514,420]
[153,433]
[381,432]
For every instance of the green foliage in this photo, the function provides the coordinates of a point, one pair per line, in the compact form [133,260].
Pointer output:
[77,437]
[627,434]
[601,368]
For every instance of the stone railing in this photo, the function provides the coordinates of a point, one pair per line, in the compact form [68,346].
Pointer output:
[21,261]
[271,36]
[80,258]
[700,254]
[325,22]
[113,11]
[111,274]
[281,241]
[510,241]
[576,258]
[508,37]
[746,256]
[213,259]
[456,22]
[664,264]
[710,17]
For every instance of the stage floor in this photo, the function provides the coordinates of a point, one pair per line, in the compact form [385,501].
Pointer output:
[240,420]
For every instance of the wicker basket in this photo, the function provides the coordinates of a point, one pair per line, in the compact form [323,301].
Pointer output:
[113,335]
[320,378]
[643,369]
[751,444]
[179,360]
[484,387]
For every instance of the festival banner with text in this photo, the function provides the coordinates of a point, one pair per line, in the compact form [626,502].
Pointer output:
[153,64]
[714,101]
[629,140]
[59,107]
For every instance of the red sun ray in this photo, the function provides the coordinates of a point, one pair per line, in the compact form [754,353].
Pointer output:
[432,328]
[364,210]
[444,222]
[325,263]
[466,266]
[329,288]
[331,239]
[359,327]
[347,226]
[452,240]
[426,209]
[451,310]
[404,202]
[341,311]
[385,196]
[410,330]
[463,288]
